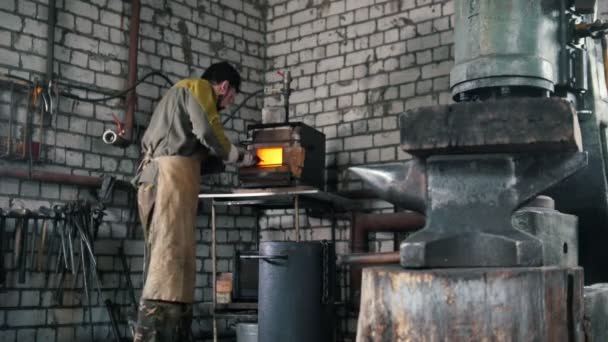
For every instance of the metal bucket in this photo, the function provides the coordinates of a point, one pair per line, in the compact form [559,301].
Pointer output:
[247,332]
[296,291]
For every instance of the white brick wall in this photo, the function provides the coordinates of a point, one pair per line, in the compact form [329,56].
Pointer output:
[356,66]
[375,54]
[91,49]
[375,59]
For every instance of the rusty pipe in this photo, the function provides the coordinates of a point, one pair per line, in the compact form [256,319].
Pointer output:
[61,178]
[369,258]
[362,224]
[50,50]
[396,222]
[286,94]
[124,138]
[132,74]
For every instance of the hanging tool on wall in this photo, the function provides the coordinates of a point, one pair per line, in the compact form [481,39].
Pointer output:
[32,101]
[13,145]
[33,239]
[127,272]
[22,217]
[42,103]
[111,309]
[70,241]
[53,116]
[43,234]
[131,314]
[49,240]
[86,286]
[42,246]
[44,95]
[11,107]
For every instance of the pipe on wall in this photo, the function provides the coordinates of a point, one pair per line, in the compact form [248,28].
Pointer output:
[361,225]
[50,51]
[395,222]
[54,177]
[60,178]
[369,258]
[132,75]
[124,136]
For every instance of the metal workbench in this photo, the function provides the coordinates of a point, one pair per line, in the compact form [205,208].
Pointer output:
[298,197]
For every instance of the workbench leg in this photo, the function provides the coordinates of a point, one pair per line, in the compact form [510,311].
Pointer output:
[213,269]
[296,204]
[333,227]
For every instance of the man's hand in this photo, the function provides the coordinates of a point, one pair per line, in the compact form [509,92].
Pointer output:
[247,158]
[241,157]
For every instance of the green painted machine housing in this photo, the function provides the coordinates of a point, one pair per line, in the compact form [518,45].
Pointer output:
[507,43]
[521,48]
[586,193]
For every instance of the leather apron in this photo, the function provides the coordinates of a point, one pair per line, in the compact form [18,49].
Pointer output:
[169,223]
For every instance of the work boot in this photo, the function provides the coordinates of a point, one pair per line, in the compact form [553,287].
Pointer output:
[159,321]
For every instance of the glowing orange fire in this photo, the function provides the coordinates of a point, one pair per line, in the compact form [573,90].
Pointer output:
[270,156]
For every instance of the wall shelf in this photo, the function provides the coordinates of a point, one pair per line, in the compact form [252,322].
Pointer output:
[281,198]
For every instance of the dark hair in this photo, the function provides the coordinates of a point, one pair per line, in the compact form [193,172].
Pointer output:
[223,71]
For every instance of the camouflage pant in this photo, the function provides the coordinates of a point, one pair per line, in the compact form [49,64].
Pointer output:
[159,321]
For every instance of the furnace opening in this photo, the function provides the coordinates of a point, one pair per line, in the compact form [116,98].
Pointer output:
[270,156]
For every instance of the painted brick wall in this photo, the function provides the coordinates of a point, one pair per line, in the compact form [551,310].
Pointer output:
[356,66]
[178,38]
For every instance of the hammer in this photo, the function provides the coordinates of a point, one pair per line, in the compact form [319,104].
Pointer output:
[21,228]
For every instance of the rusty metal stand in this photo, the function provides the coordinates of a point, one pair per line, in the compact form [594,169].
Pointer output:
[213,268]
[273,198]
[296,216]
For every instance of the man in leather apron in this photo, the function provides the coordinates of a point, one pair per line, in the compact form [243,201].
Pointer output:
[184,129]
